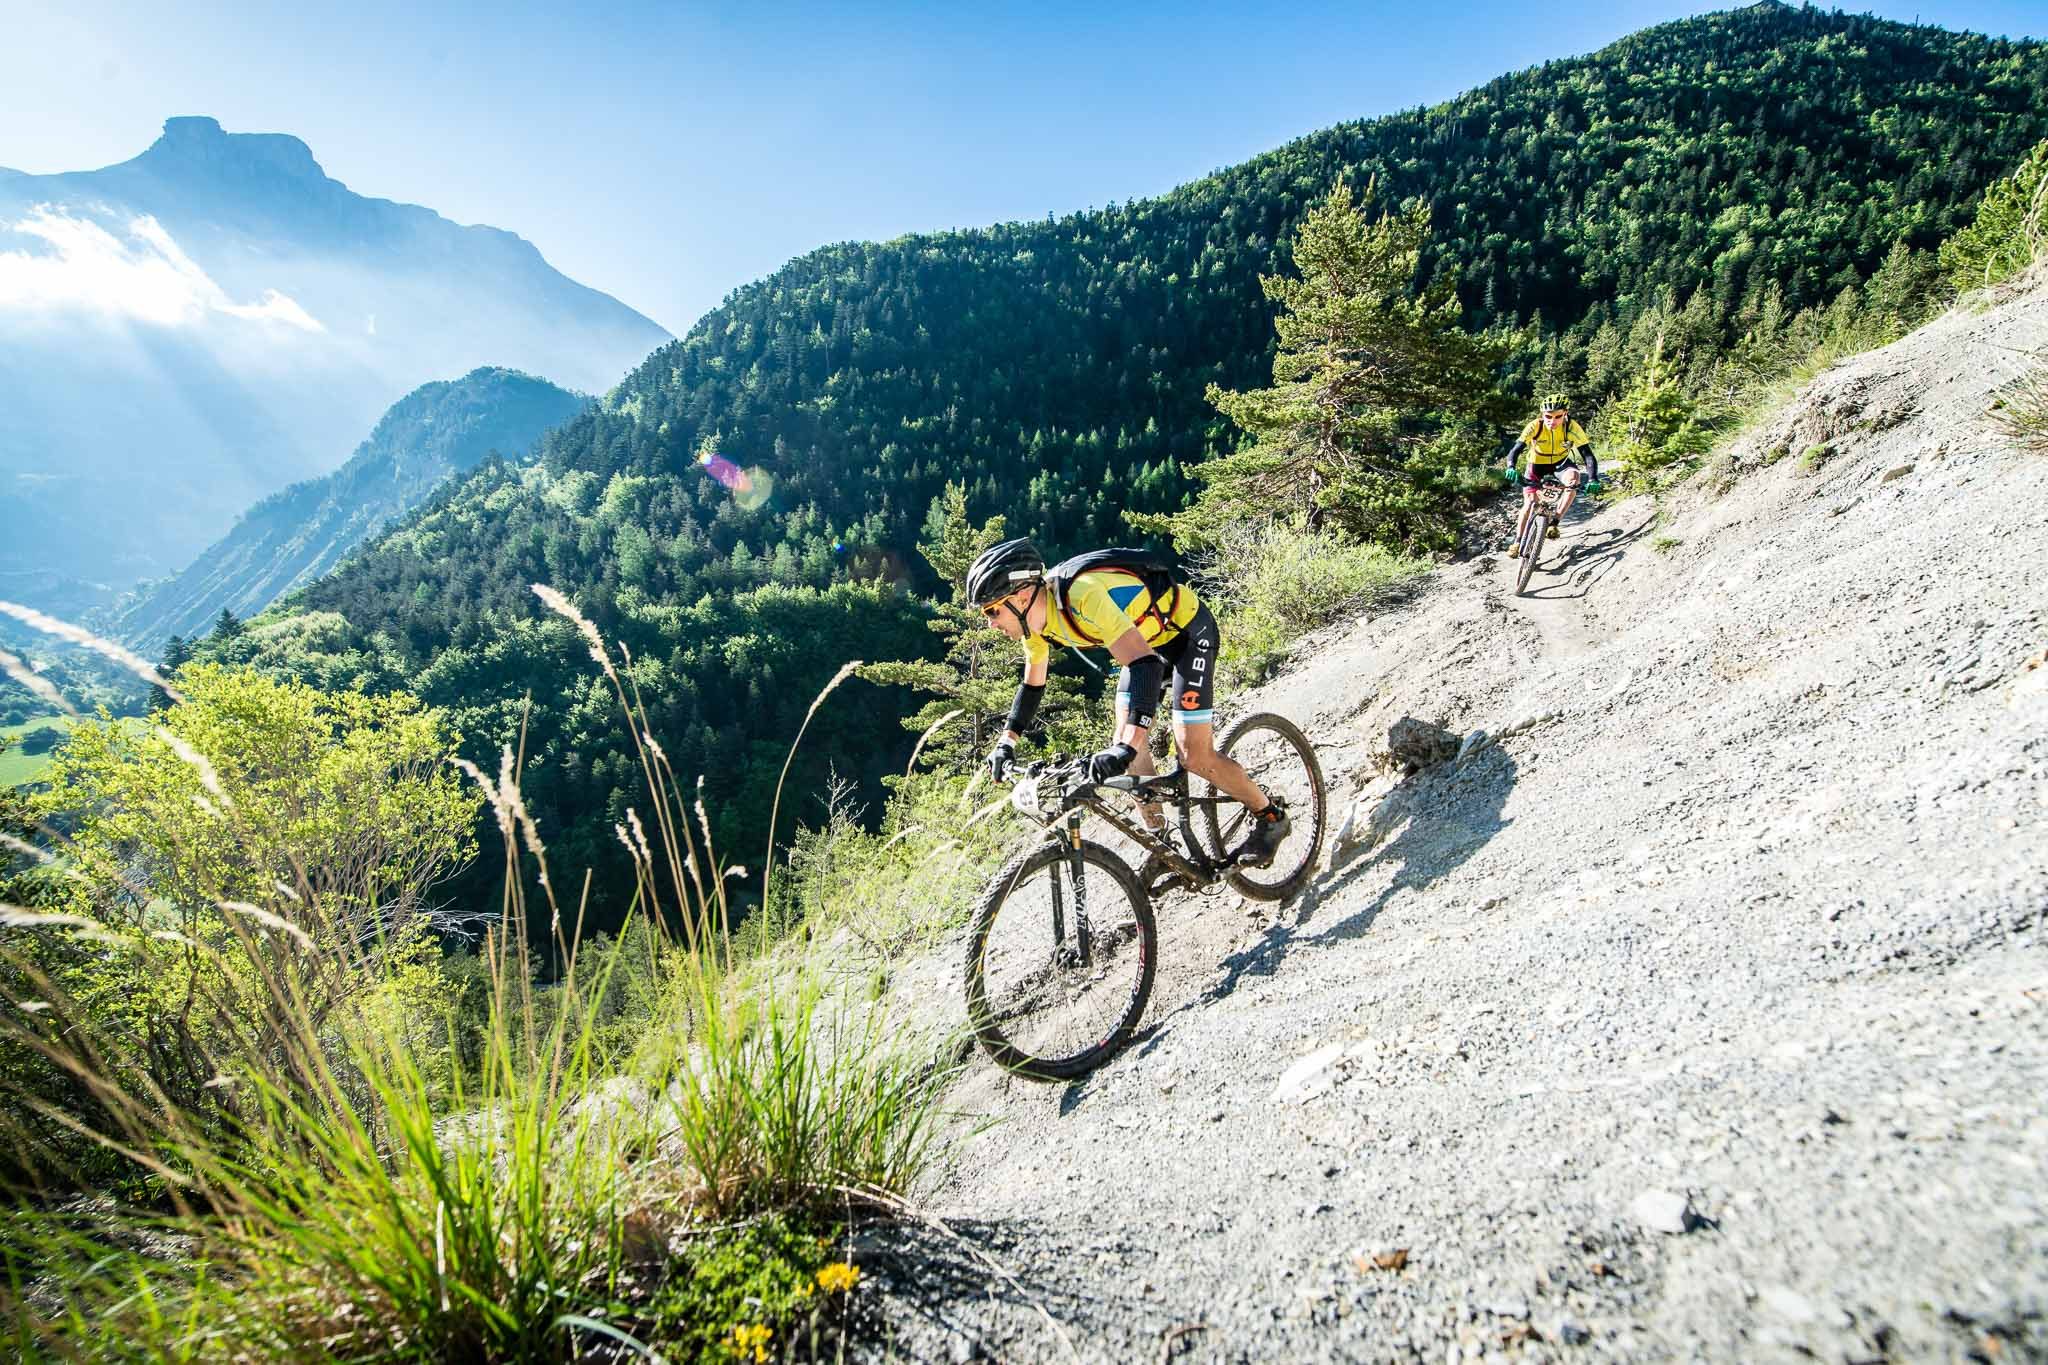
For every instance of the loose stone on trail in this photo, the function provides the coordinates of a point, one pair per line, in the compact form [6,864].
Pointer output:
[1310,1076]
[1664,1211]
[1413,745]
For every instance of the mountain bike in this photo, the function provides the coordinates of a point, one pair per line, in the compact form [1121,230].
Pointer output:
[1549,507]
[1063,946]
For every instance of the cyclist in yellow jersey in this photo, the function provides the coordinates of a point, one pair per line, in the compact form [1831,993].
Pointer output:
[1549,441]
[1146,621]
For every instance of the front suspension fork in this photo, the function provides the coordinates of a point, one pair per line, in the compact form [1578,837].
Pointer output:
[1071,840]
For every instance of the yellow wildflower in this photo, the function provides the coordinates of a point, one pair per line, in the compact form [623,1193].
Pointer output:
[749,1341]
[838,1277]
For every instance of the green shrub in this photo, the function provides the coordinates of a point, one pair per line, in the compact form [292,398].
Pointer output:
[2010,231]
[1272,584]
[745,1290]
[41,740]
[1814,456]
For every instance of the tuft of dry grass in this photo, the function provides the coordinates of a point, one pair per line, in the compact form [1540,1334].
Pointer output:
[328,1195]
[15,667]
[2020,410]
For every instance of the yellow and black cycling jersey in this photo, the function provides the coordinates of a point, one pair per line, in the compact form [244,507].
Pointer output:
[1101,604]
[1546,445]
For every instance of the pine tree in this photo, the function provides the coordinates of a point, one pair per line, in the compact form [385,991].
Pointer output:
[226,626]
[177,653]
[1655,422]
[1365,375]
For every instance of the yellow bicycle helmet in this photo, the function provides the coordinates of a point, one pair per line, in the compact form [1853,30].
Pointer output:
[1556,402]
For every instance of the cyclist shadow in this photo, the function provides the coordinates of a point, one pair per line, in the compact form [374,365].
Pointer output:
[1427,826]
[1587,560]
[942,1277]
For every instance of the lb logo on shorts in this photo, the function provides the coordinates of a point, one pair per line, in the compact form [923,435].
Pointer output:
[1190,700]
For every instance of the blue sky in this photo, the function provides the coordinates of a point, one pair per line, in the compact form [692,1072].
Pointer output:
[669,153]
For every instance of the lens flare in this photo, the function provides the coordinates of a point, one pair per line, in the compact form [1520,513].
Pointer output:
[755,488]
[720,468]
[751,487]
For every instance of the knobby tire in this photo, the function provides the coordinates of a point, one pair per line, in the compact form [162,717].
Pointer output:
[1296,860]
[1530,548]
[1005,890]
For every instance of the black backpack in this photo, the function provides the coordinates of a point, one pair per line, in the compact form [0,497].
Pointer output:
[1155,570]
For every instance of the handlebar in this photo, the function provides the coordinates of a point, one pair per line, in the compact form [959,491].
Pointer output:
[1069,774]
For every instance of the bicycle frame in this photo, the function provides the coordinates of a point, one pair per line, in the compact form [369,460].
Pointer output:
[1550,494]
[1170,788]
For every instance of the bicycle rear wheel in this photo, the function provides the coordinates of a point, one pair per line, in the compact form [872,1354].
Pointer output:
[1059,961]
[1279,757]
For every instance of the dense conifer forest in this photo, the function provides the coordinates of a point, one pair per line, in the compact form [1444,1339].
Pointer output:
[742,510]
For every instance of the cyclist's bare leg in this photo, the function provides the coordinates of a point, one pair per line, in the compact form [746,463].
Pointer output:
[1570,478]
[1528,510]
[1141,766]
[1198,753]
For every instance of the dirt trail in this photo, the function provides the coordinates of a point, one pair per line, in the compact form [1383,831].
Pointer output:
[1745,932]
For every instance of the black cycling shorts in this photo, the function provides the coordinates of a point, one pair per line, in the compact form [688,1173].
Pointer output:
[1193,655]
[1534,478]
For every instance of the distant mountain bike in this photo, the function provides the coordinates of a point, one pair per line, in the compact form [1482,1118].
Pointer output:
[1549,507]
[1063,948]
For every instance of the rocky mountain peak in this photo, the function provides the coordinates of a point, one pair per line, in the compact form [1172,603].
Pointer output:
[197,142]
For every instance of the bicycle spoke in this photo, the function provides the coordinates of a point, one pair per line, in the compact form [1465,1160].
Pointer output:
[1282,762]
[1054,1009]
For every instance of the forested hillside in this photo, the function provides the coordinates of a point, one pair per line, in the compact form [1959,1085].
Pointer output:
[1700,182]
[296,535]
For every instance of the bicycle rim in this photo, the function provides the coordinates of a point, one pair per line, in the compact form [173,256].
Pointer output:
[1279,757]
[1040,1005]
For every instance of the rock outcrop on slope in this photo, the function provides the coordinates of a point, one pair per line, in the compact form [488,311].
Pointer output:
[1704,1013]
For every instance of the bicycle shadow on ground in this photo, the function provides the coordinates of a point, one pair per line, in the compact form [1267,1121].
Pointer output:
[940,1279]
[1423,829]
[1587,560]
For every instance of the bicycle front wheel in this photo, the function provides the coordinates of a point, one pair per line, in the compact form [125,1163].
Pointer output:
[1528,550]
[1060,960]
[1278,756]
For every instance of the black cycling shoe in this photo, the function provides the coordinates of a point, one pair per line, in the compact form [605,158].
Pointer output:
[1269,828]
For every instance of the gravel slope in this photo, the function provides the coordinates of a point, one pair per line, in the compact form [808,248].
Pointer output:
[1744,934]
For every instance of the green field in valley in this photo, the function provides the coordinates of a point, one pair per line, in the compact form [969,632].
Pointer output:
[17,767]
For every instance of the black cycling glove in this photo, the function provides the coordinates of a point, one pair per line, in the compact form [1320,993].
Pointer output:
[1000,758]
[1114,761]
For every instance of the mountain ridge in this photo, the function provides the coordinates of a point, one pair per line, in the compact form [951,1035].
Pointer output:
[440,429]
[222,303]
